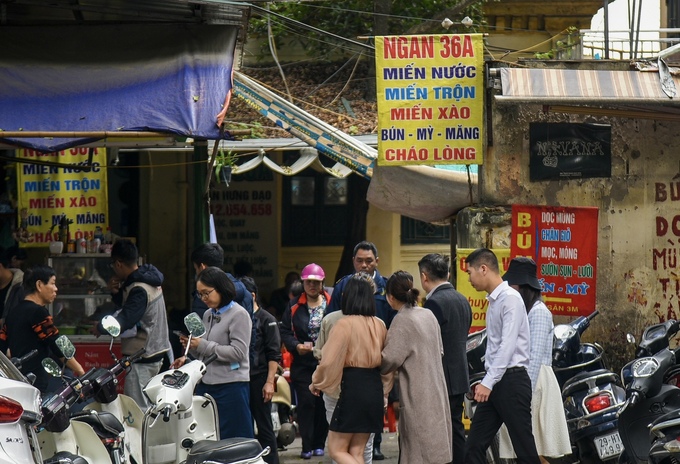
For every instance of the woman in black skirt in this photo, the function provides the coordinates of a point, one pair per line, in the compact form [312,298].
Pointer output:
[350,362]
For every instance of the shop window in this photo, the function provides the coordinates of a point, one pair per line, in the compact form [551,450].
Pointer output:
[335,191]
[415,232]
[314,210]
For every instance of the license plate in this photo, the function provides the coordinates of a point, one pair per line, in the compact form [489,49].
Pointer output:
[608,446]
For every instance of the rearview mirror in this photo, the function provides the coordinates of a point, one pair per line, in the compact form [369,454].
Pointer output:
[630,338]
[111,325]
[65,346]
[51,367]
[194,325]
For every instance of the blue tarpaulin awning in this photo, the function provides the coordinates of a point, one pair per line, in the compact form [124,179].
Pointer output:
[172,78]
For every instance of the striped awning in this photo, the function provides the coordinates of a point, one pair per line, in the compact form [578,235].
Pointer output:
[569,86]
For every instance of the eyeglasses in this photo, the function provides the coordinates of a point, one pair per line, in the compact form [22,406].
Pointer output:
[205,295]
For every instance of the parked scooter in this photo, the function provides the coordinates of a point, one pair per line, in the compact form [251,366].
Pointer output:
[592,393]
[649,420]
[19,414]
[189,429]
[104,390]
[476,349]
[64,440]
[284,427]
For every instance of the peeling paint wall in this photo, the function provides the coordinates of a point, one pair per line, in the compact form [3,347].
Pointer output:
[639,220]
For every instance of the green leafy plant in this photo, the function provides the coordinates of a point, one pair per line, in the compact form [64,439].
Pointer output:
[225,164]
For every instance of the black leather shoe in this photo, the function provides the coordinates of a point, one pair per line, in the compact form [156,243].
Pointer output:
[377,455]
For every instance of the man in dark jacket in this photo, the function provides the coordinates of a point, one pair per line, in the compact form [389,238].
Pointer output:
[365,259]
[263,375]
[137,291]
[454,314]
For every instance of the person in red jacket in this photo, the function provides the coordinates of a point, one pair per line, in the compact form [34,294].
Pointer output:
[300,328]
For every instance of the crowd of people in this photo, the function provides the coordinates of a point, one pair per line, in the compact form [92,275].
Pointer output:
[356,347]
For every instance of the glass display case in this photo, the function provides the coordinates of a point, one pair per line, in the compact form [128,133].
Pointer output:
[82,296]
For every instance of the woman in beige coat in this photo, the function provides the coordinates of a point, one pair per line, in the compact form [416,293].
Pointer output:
[414,349]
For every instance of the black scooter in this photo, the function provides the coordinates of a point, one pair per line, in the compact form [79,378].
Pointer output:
[649,421]
[592,394]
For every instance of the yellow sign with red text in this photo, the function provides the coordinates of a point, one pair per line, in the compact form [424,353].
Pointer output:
[477,300]
[46,193]
[430,91]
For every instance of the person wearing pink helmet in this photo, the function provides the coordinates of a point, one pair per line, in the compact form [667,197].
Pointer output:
[300,326]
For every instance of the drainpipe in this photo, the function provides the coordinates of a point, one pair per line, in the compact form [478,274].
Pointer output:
[606,29]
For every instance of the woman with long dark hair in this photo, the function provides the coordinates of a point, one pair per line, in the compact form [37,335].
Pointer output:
[351,357]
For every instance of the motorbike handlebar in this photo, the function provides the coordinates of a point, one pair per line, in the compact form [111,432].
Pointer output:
[126,361]
[210,359]
[166,414]
[592,315]
[18,362]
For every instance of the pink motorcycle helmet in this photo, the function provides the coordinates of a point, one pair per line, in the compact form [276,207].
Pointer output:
[312,272]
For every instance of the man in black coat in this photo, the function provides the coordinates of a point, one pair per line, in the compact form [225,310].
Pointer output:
[454,314]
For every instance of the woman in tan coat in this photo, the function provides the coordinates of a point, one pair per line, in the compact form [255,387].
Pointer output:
[414,349]
[351,358]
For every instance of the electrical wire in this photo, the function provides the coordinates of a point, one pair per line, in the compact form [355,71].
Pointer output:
[311,28]
[272,49]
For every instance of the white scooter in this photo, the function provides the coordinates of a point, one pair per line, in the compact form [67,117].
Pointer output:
[189,431]
[19,414]
[64,440]
[108,400]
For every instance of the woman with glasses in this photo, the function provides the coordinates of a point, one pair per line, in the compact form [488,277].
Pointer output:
[228,328]
[300,328]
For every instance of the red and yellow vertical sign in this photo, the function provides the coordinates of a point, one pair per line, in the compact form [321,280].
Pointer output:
[430,99]
[477,299]
[563,242]
[45,193]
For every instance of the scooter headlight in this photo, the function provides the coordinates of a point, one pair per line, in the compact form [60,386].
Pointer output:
[563,332]
[473,342]
[672,446]
[645,367]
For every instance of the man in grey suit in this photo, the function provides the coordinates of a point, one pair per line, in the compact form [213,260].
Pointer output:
[454,314]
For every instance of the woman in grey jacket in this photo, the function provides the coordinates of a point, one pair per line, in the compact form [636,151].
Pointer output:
[228,329]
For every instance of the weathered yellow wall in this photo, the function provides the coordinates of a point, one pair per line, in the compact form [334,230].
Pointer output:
[164,228]
[637,267]
[384,230]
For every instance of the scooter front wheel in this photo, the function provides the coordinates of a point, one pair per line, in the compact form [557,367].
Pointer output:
[493,452]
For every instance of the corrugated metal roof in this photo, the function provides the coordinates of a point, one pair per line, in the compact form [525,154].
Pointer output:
[42,12]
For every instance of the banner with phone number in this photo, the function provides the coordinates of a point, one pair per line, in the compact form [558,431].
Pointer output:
[563,242]
[477,300]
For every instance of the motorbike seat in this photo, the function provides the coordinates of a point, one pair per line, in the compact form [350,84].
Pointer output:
[64,457]
[578,382]
[227,450]
[105,424]
[670,416]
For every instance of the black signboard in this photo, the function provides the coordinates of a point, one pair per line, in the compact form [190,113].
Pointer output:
[569,151]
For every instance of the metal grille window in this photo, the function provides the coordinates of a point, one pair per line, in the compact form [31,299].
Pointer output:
[314,210]
[414,232]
